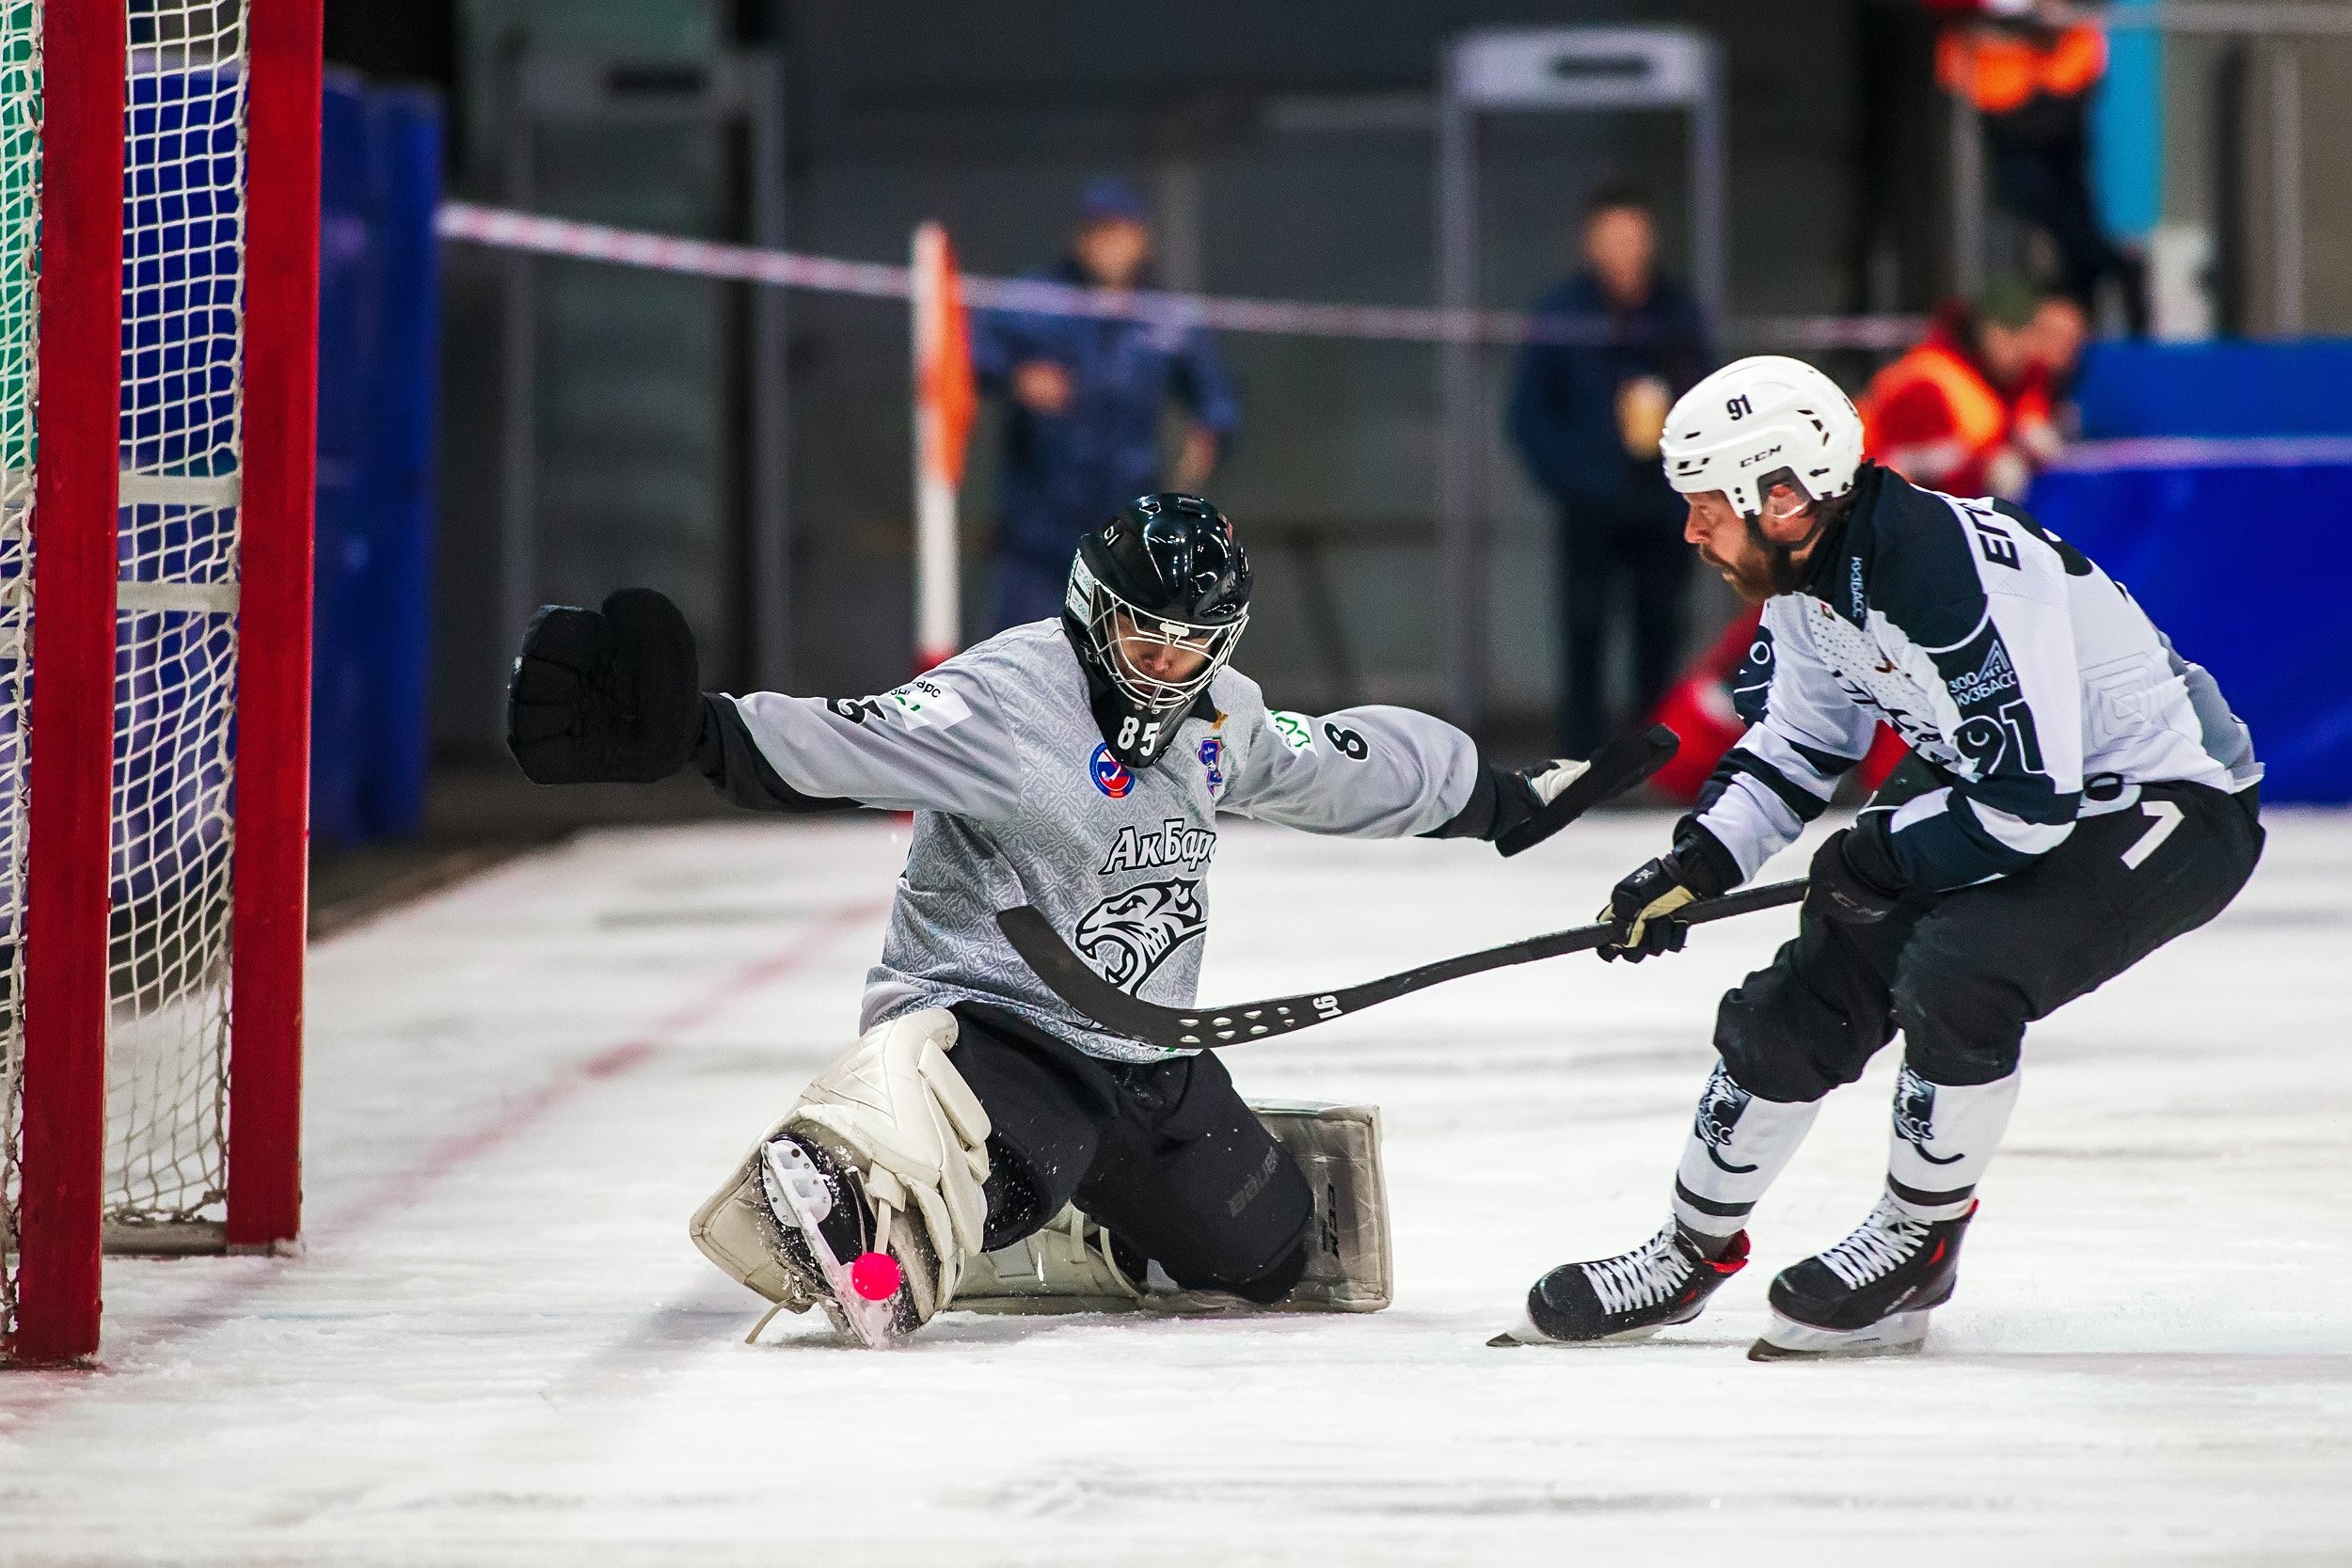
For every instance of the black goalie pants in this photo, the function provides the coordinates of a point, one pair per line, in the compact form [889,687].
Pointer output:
[1164,1155]
[1962,974]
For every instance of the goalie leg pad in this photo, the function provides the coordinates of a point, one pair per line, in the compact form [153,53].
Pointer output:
[1070,1264]
[1067,1265]
[1349,1268]
[738,1230]
[897,1119]
[896,1112]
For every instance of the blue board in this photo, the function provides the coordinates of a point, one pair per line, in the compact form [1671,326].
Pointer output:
[379,324]
[2228,386]
[2218,546]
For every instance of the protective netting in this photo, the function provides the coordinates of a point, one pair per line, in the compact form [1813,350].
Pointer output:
[20,186]
[175,667]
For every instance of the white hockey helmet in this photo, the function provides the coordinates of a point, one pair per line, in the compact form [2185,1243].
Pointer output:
[1759,421]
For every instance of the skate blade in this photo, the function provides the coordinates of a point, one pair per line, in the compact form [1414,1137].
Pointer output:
[869,1324]
[1902,1333]
[1524,1332]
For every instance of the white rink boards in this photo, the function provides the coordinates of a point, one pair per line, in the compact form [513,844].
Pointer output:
[500,1347]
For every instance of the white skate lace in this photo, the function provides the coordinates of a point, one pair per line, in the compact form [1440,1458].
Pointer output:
[1642,1277]
[1878,1246]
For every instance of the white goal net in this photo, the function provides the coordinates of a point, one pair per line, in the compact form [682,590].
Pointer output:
[175,670]
[176,628]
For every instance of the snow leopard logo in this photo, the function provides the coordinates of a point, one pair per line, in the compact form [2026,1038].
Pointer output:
[1720,1105]
[1914,1115]
[1131,933]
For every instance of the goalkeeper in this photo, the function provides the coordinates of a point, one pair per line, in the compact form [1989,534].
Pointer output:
[1076,764]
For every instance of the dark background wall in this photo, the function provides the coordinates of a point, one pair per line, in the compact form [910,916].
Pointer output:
[1287,150]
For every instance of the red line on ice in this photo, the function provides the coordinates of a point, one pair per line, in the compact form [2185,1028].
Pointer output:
[509,1123]
[616,1061]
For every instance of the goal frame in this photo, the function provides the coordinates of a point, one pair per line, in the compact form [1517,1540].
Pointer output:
[62,1146]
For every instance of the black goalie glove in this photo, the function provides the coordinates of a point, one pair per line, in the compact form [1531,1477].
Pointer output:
[605,697]
[1642,907]
[1518,811]
[1557,793]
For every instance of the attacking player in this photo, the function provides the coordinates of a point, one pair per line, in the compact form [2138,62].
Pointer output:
[2078,795]
[1077,764]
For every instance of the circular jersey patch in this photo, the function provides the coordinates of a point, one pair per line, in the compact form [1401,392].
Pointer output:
[1109,777]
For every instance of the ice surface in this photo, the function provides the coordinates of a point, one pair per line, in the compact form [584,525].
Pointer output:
[500,1347]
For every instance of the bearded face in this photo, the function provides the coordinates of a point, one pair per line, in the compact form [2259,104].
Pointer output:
[1745,551]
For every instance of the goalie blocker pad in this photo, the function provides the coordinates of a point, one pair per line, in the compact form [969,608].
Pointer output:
[1069,1266]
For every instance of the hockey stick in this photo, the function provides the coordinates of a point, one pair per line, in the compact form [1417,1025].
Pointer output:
[1067,975]
[1614,769]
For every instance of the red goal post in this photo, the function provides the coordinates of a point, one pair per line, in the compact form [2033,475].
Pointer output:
[157,378]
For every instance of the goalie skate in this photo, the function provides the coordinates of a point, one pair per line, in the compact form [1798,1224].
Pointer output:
[792,1227]
[806,1195]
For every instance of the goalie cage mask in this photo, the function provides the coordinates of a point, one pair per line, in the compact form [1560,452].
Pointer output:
[1165,571]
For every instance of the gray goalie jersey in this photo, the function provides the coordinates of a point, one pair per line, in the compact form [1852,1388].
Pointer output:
[1017,800]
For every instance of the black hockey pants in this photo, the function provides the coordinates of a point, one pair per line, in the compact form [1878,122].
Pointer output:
[1963,973]
[1164,1155]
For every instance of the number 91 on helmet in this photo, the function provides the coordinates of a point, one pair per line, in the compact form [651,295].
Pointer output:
[1763,420]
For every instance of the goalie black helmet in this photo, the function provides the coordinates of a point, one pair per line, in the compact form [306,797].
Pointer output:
[1158,596]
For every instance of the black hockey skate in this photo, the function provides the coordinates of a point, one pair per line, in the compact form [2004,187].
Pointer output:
[1664,1281]
[1869,1295]
[827,1234]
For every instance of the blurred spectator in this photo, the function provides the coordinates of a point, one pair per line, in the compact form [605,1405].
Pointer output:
[1586,419]
[2029,67]
[1970,411]
[1086,395]
[2057,332]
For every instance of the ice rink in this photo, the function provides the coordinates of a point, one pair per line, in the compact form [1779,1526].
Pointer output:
[498,1346]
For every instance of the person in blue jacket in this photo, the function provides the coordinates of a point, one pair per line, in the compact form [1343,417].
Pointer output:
[1087,394]
[1587,417]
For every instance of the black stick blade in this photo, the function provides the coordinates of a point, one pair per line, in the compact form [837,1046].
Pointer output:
[1615,769]
[1067,975]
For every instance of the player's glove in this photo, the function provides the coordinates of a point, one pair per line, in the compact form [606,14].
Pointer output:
[1518,811]
[1854,880]
[606,696]
[1642,907]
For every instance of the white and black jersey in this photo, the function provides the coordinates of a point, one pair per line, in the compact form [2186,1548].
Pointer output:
[1017,800]
[2000,653]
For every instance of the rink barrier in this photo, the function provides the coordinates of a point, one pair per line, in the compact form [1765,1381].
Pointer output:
[2205,452]
[504,229]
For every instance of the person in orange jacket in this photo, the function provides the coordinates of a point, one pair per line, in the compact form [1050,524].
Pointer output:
[2029,67]
[1970,410]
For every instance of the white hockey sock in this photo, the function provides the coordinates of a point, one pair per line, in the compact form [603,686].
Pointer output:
[1739,1144]
[1944,1136]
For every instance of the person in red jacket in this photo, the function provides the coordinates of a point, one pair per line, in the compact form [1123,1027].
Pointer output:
[1969,410]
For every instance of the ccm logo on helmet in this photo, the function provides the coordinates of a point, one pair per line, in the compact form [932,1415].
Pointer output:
[1768,452]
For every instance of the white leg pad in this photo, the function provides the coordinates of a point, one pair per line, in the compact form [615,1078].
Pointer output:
[897,1108]
[735,1229]
[1349,1266]
[1067,1266]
